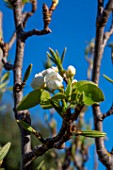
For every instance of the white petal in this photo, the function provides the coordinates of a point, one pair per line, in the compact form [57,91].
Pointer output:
[53,85]
[37,82]
[49,70]
[53,76]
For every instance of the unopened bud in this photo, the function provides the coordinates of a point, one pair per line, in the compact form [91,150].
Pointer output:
[71,71]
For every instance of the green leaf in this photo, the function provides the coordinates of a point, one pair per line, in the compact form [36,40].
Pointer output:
[49,56]
[4,150]
[44,96]
[26,126]
[5,77]
[27,73]
[68,89]
[56,106]
[82,82]
[91,133]
[63,55]
[92,94]
[46,105]
[107,78]
[59,96]
[30,100]
[44,102]
[54,56]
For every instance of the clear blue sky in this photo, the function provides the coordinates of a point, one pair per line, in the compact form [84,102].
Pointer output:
[73,24]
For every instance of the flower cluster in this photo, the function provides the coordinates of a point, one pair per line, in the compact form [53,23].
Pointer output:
[50,78]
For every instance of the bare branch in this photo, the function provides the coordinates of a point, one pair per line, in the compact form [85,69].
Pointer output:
[100,6]
[35,32]
[102,19]
[26,15]
[108,113]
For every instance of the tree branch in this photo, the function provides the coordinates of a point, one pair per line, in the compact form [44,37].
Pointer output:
[102,19]
[108,113]
[18,94]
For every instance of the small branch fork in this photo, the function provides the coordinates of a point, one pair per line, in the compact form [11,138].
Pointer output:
[58,142]
[100,42]
[47,15]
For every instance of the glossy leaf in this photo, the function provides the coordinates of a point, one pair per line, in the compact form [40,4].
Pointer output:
[63,55]
[44,96]
[108,78]
[26,126]
[4,150]
[44,102]
[82,82]
[59,96]
[32,99]
[46,105]
[54,56]
[56,106]
[92,94]
[91,133]
[27,73]
[68,89]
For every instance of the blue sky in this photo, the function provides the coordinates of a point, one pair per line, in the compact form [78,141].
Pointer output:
[73,25]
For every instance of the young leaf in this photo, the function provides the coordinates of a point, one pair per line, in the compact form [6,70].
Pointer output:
[59,96]
[68,89]
[56,106]
[82,82]
[30,100]
[91,133]
[92,94]
[53,54]
[107,78]
[26,126]
[44,96]
[27,73]
[49,56]
[33,98]
[4,150]
[63,55]
[46,104]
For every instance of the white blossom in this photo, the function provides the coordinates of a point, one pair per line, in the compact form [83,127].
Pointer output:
[55,69]
[71,71]
[38,81]
[53,80]
[44,72]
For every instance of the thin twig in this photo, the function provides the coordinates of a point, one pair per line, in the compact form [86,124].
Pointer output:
[35,32]
[12,40]
[26,15]
[108,113]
